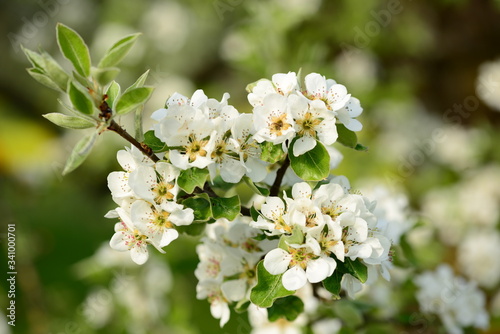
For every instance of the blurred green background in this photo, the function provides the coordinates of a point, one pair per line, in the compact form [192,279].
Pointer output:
[431,118]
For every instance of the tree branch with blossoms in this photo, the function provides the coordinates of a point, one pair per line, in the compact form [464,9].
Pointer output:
[184,178]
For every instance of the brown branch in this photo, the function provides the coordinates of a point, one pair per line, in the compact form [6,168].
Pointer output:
[275,188]
[113,126]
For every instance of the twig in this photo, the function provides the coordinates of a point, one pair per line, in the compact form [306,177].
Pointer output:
[113,126]
[279,177]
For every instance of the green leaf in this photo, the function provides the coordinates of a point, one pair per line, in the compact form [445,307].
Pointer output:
[332,283]
[39,76]
[313,165]
[156,144]
[219,183]
[271,153]
[35,58]
[80,98]
[113,92]
[347,312]
[226,207]
[194,229]
[69,122]
[105,75]
[200,205]
[191,178]
[254,213]
[118,51]
[346,137]
[74,49]
[268,288]
[80,153]
[132,99]
[356,269]
[139,82]
[289,307]
[55,71]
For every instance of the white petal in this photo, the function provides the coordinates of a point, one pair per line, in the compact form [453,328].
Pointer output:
[220,310]
[294,278]
[301,190]
[277,261]
[118,241]
[182,217]
[303,145]
[354,125]
[168,236]
[234,290]
[317,270]
[139,254]
[315,84]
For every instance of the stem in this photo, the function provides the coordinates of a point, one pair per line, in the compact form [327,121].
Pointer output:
[279,177]
[113,126]
[245,211]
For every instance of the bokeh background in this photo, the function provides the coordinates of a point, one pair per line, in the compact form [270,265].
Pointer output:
[427,74]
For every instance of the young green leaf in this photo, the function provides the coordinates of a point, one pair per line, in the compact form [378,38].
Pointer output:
[132,99]
[80,98]
[297,237]
[256,189]
[118,51]
[139,82]
[346,137]
[226,207]
[113,92]
[191,178]
[200,205]
[314,165]
[268,288]
[69,122]
[361,147]
[39,76]
[55,71]
[74,49]
[35,58]
[80,153]
[289,307]
[105,75]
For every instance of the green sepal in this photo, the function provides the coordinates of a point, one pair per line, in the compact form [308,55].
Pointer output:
[132,99]
[200,204]
[297,237]
[80,98]
[268,289]
[289,307]
[225,207]
[191,178]
[69,122]
[271,153]
[74,49]
[118,51]
[314,165]
[80,152]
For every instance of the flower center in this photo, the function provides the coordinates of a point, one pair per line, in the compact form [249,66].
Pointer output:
[300,256]
[162,192]
[278,125]
[161,220]
[308,124]
[196,148]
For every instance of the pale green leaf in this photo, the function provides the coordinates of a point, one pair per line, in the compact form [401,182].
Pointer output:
[132,99]
[105,75]
[80,98]
[74,49]
[80,153]
[118,51]
[38,75]
[113,92]
[69,122]
[139,82]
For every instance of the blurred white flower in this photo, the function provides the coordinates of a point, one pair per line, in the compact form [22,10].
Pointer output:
[457,302]
[488,84]
[478,257]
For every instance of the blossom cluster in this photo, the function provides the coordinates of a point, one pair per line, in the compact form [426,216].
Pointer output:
[146,194]
[331,223]
[228,256]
